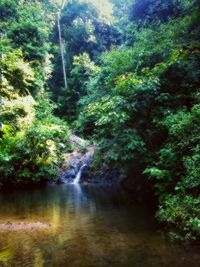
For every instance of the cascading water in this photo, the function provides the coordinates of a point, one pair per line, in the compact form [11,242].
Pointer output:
[78,176]
[76,161]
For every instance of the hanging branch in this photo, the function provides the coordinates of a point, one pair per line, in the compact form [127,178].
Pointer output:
[62,45]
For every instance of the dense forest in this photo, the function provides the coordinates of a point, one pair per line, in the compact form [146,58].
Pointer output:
[132,88]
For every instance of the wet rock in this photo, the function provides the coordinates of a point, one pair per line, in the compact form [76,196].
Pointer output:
[67,176]
[81,155]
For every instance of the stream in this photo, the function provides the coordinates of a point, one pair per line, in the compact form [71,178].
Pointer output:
[88,226]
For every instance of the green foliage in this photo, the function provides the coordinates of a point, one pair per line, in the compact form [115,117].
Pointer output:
[84,32]
[183,212]
[83,69]
[8,9]
[31,30]
[150,11]
[142,108]
[30,148]
[177,171]
[17,72]
[30,135]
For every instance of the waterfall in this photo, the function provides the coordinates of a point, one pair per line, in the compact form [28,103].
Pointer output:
[78,176]
[76,161]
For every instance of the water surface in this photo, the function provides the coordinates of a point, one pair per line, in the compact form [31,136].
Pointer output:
[90,226]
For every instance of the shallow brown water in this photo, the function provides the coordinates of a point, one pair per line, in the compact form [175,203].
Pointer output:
[89,227]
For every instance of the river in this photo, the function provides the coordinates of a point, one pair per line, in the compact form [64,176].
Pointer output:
[88,226]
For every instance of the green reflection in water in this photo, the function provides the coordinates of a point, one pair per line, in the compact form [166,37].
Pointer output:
[89,227]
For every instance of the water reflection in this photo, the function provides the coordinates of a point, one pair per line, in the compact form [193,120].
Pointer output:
[90,226]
